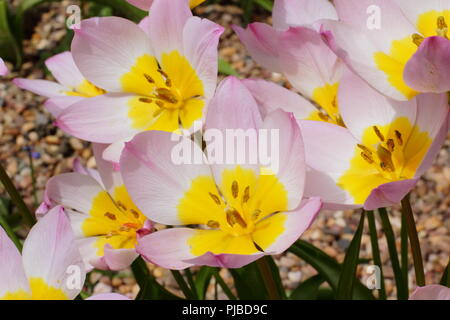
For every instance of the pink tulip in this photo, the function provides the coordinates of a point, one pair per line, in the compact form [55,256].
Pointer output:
[71,86]
[3,68]
[378,157]
[105,220]
[295,48]
[50,267]
[156,79]
[431,292]
[400,47]
[146,4]
[242,215]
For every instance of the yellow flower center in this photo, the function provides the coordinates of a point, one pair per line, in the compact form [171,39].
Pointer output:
[86,89]
[328,110]
[40,290]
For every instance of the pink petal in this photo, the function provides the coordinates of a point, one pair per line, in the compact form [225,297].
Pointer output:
[289,13]
[64,70]
[41,87]
[12,274]
[3,68]
[118,259]
[389,194]
[56,105]
[50,252]
[108,296]
[271,97]
[428,69]
[110,177]
[261,40]
[431,292]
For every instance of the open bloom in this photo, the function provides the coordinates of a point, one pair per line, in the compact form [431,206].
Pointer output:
[386,146]
[70,87]
[400,47]
[431,292]
[146,4]
[158,79]
[105,220]
[50,267]
[3,68]
[239,212]
[295,48]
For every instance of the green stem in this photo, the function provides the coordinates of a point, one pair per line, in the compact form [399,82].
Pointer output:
[191,282]
[269,282]
[402,293]
[414,241]
[15,197]
[376,251]
[10,232]
[33,179]
[404,251]
[224,286]
[183,285]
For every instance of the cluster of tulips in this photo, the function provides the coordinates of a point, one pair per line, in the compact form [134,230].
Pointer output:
[369,118]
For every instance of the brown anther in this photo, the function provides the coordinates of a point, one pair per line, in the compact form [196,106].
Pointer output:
[255,214]
[166,95]
[417,39]
[110,215]
[134,213]
[378,133]
[257,247]
[159,103]
[149,79]
[334,102]
[235,189]
[169,83]
[367,157]
[163,73]
[364,148]
[386,159]
[124,228]
[213,224]
[234,217]
[246,194]
[398,136]
[121,205]
[215,198]
[323,117]
[131,225]
[391,145]
[145,100]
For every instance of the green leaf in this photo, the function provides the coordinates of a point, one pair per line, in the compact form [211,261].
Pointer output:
[347,278]
[328,267]
[202,280]
[249,283]
[226,69]
[9,47]
[124,8]
[150,289]
[266,4]
[445,281]
[276,276]
[309,289]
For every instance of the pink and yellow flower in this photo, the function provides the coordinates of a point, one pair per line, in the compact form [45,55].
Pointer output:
[400,47]
[385,146]
[241,214]
[158,79]
[71,85]
[431,292]
[106,222]
[3,68]
[50,267]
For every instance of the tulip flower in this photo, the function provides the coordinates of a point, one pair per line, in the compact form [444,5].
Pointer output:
[239,214]
[50,267]
[106,222]
[384,149]
[399,47]
[70,87]
[431,292]
[3,68]
[146,4]
[159,79]
[294,47]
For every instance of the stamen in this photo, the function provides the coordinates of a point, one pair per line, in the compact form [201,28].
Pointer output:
[157,112]
[159,103]
[145,100]
[364,148]
[398,136]
[391,145]
[149,79]
[378,133]
[121,205]
[135,213]
[167,95]
[417,39]
[124,228]
[110,215]
[255,214]
[213,224]
[235,189]
[234,217]
[367,157]
[246,194]
[386,159]
[163,73]
[169,83]
[131,225]
[323,117]
[442,27]
[257,247]
[215,198]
